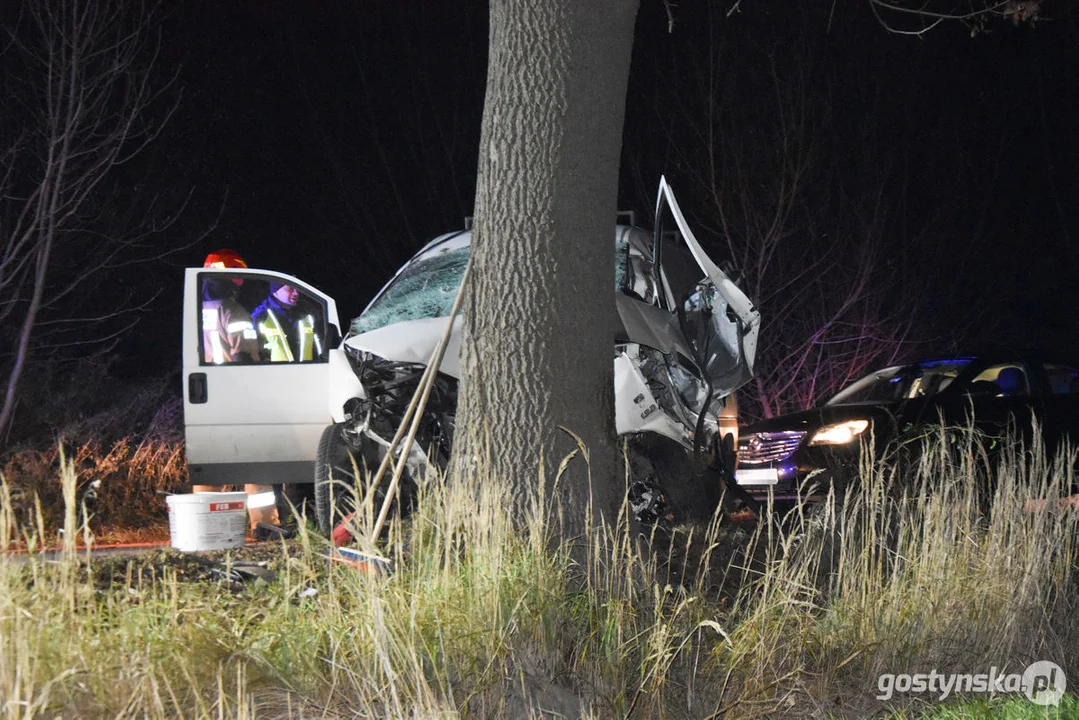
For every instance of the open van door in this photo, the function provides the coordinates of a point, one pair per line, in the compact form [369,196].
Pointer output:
[254,417]
[719,321]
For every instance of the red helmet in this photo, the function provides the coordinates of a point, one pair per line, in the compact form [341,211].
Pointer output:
[224,258]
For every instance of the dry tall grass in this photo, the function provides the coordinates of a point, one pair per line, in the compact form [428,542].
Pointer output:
[125,456]
[943,569]
[482,618]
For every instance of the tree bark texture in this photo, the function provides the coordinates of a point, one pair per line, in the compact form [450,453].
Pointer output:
[539,315]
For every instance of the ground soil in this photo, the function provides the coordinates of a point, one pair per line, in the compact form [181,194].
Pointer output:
[239,566]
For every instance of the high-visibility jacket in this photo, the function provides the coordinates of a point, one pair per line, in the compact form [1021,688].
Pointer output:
[289,340]
[288,333]
[228,333]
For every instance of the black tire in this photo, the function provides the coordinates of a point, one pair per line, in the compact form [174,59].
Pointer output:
[335,479]
[335,475]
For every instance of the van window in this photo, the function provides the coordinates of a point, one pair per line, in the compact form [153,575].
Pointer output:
[252,319]
[1010,378]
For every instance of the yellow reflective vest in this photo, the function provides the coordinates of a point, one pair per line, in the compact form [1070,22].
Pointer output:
[275,335]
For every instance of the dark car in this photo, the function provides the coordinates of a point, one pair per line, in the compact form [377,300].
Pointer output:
[902,401]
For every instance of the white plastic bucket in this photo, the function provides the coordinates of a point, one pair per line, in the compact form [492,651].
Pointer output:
[207,521]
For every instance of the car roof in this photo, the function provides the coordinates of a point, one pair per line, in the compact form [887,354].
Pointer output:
[631,233]
[989,355]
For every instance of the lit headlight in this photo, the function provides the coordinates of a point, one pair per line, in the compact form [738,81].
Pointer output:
[839,433]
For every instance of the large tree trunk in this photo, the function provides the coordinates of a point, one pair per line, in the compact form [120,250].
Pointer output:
[537,353]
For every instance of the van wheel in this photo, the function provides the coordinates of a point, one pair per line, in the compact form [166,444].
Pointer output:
[337,486]
[335,479]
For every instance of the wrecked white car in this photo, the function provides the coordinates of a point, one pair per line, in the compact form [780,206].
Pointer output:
[687,341]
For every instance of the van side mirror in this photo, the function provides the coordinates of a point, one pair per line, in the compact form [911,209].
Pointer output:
[333,336]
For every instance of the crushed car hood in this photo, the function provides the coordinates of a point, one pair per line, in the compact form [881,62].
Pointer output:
[413,341]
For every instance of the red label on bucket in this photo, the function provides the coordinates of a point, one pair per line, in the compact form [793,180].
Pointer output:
[225,506]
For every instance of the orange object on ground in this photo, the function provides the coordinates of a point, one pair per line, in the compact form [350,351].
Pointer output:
[341,534]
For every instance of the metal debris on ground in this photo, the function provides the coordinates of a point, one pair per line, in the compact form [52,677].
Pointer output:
[242,572]
[266,531]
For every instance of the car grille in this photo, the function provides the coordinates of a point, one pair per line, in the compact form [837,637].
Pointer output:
[769,446]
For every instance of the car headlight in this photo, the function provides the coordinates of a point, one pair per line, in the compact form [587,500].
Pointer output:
[839,433]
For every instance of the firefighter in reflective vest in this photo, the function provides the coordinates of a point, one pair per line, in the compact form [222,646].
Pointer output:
[228,332]
[228,336]
[287,331]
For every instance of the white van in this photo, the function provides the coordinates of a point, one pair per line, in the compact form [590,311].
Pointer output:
[687,341]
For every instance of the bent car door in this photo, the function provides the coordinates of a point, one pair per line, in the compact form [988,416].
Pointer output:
[675,300]
[256,375]
[719,321]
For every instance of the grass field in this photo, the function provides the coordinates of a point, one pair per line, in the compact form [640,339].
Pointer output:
[481,618]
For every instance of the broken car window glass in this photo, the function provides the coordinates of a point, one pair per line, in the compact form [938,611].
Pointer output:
[426,288]
[633,272]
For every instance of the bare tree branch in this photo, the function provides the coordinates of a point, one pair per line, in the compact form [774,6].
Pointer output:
[972,13]
[88,99]
[770,182]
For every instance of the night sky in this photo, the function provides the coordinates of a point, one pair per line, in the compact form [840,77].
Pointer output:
[331,143]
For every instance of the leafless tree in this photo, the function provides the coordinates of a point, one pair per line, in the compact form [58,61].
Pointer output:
[85,100]
[806,214]
[817,266]
[905,17]
[808,172]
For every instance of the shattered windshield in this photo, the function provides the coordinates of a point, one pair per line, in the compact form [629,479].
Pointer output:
[633,271]
[621,262]
[426,288]
[902,382]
